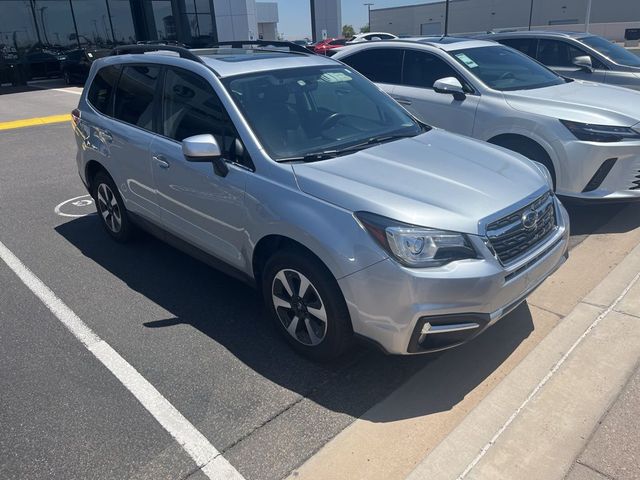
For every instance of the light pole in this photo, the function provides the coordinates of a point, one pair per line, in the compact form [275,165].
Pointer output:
[530,15]
[588,19]
[44,26]
[368,5]
[446,18]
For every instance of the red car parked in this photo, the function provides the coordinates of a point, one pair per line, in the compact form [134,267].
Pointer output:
[326,47]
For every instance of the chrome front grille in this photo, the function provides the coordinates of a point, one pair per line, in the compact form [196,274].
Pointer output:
[519,232]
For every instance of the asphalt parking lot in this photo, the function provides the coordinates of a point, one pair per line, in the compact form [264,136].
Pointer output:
[198,336]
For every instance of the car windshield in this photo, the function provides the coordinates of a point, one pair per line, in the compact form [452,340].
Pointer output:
[616,53]
[318,111]
[503,68]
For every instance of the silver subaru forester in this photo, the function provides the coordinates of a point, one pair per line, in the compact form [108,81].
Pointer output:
[295,173]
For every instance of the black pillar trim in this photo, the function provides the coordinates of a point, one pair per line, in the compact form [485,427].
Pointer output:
[314,36]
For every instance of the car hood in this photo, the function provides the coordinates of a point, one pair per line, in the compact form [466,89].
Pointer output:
[437,180]
[580,101]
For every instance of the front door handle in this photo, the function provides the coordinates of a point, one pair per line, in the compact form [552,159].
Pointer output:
[402,101]
[161,161]
[105,136]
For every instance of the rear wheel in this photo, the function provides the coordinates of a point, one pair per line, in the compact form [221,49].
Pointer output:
[306,305]
[111,209]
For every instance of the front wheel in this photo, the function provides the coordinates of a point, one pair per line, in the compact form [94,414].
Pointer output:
[306,305]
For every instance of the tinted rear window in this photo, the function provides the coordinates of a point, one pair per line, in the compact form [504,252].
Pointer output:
[383,65]
[135,93]
[525,45]
[101,90]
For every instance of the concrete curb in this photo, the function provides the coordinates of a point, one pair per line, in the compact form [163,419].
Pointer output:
[538,419]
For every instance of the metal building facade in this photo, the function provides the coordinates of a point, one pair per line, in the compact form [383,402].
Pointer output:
[469,16]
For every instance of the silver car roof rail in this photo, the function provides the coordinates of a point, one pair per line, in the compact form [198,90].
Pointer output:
[133,49]
[277,45]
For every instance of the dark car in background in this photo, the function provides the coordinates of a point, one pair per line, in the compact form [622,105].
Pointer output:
[77,63]
[43,63]
[578,55]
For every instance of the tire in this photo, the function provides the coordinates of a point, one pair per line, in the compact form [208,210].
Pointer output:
[111,210]
[323,329]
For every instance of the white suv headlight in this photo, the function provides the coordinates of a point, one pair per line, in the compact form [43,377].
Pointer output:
[414,246]
[601,133]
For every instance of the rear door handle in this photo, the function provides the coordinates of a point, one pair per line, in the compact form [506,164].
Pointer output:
[161,161]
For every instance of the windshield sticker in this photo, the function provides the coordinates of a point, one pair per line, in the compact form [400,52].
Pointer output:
[335,77]
[466,60]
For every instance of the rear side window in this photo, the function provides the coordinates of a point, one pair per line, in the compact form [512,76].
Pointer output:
[135,93]
[101,90]
[525,45]
[382,65]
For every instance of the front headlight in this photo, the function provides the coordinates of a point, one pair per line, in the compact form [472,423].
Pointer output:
[414,246]
[601,133]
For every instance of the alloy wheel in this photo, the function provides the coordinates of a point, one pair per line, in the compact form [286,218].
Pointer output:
[299,307]
[109,208]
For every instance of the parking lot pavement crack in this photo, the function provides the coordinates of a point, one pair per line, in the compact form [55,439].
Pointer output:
[627,314]
[559,315]
[291,405]
[594,304]
[586,465]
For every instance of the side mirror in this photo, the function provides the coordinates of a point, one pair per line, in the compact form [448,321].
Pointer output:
[584,62]
[450,85]
[205,148]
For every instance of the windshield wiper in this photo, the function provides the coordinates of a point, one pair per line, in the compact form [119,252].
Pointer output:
[310,157]
[317,156]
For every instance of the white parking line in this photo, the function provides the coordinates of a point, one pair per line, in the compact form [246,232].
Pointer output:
[205,455]
[65,90]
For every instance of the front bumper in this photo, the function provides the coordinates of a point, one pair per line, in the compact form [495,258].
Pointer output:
[390,304]
[599,171]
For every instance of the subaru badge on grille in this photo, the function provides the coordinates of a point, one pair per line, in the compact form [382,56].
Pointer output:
[530,219]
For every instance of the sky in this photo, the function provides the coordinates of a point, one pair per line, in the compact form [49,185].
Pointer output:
[295,16]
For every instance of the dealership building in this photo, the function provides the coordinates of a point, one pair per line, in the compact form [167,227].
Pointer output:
[68,23]
[609,18]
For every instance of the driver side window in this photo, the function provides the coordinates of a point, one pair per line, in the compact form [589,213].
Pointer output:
[555,53]
[422,69]
[190,107]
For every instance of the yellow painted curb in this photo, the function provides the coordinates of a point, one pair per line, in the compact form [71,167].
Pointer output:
[30,122]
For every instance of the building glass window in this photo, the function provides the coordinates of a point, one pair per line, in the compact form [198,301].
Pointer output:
[165,20]
[55,24]
[92,20]
[122,20]
[200,22]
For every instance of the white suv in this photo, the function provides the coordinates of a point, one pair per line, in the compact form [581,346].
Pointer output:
[586,134]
